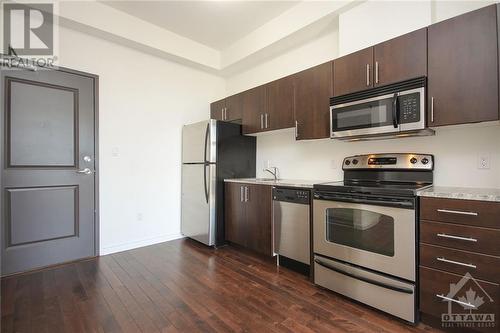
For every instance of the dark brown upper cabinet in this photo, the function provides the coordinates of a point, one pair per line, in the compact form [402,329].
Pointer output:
[398,59]
[227,109]
[312,92]
[254,107]
[234,107]
[401,58]
[353,72]
[463,69]
[218,109]
[280,106]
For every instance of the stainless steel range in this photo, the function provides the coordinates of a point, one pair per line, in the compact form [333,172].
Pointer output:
[365,230]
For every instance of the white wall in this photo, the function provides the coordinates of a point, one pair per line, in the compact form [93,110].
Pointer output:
[376,21]
[144,101]
[456,151]
[456,148]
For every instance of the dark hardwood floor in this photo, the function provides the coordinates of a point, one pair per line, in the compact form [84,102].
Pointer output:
[181,286]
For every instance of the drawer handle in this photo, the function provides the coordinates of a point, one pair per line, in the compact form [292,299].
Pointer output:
[455,262]
[468,239]
[470,305]
[457,212]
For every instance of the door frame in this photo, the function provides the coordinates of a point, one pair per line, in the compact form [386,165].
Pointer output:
[95,80]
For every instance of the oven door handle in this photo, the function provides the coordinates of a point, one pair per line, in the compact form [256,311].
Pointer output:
[364,279]
[401,203]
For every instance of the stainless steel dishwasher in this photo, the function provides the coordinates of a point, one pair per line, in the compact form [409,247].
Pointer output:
[291,228]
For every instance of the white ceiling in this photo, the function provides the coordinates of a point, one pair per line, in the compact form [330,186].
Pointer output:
[217,24]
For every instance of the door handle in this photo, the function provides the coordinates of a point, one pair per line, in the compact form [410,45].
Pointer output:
[85,171]
[395,111]
[367,75]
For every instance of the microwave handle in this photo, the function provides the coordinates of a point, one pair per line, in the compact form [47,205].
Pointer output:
[395,111]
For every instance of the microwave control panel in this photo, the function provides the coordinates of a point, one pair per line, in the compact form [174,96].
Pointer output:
[409,108]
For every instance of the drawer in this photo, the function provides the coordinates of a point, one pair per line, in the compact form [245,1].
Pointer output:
[470,212]
[481,266]
[474,239]
[435,284]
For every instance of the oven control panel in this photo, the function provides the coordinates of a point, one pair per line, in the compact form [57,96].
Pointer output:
[400,161]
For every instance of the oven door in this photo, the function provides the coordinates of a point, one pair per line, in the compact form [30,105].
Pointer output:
[381,238]
[376,115]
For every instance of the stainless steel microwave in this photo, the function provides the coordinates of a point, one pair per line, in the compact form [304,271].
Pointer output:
[389,111]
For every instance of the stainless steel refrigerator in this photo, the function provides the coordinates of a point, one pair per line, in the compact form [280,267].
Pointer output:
[211,152]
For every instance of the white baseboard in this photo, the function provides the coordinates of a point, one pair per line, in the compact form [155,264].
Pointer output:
[137,243]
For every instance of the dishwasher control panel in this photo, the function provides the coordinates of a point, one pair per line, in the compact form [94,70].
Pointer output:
[300,196]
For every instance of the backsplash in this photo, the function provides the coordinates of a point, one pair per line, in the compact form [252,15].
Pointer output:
[456,151]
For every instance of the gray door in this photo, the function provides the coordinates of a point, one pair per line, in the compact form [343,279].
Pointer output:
[47,168]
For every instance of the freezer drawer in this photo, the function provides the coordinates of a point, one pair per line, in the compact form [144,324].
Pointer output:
[198,216]
[387,294]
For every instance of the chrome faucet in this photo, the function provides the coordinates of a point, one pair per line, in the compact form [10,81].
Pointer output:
[274,172]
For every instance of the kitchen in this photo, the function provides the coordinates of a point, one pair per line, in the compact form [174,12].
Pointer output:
[364,179]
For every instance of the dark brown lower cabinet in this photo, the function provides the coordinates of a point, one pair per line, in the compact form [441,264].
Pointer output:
[248,216]
[459,268]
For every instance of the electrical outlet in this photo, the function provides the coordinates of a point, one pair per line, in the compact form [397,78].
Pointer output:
[483,161]
[333,164]
[139,216]
[115,152]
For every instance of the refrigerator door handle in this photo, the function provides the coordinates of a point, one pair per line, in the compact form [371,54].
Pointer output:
[207,132]
[206,188]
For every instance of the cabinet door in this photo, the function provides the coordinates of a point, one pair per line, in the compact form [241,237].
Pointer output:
[258,213]
[234,108]
[234,213]
[353,72]
[217,109]
[463,69]
[254,108]
[280,104]
[401,58]
[312,92]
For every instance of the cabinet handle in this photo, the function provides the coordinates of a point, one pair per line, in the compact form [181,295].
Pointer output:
[457,212]
[470,305]
[455,262]
[222,114]
[432,109]
[241,193]
[468,239]
[246,194]
[376,71]
[265,117]
[225,113]
[367,75]
[261,121]
[296,129]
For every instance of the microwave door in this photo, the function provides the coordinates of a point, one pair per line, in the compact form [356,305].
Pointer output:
[377,115]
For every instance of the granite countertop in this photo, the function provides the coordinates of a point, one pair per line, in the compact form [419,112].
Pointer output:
[279,182]
[465,193]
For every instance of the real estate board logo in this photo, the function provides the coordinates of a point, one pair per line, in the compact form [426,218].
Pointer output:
[28,28]
[465,298]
